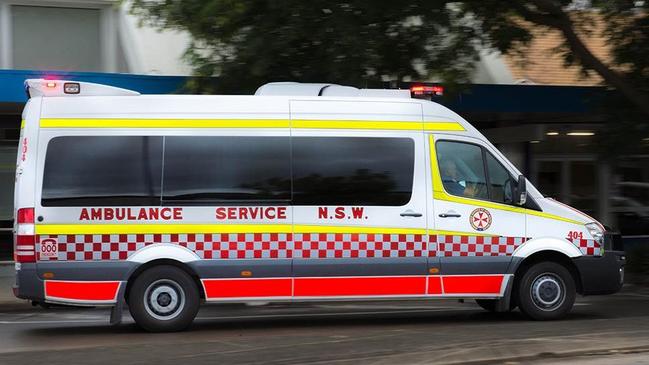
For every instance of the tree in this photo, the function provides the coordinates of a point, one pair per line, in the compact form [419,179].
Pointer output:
[626,26]
[505,26]
[250,42]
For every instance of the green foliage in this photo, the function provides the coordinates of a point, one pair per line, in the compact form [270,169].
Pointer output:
[361,42]
[250,42]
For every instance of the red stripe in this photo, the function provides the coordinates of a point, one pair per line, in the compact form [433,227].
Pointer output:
[473,284]
[434,285]
[360,286]
[75,290]
[247,288]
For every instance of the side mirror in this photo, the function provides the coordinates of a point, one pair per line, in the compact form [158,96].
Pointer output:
[520,192]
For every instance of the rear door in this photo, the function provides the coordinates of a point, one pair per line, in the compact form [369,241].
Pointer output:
[359,199]
[476,226]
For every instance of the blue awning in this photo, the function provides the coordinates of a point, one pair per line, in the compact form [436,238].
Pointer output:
[477,98]
[483,98]
[12,89]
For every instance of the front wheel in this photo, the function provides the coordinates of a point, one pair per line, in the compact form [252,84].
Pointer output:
[546,291]
[163,299]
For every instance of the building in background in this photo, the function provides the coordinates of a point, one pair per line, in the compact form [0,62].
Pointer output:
[537,111]
[89,40]
[85,35]
[558,151]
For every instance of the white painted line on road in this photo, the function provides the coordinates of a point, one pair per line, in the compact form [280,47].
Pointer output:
[66,321]
[294,315]
[386,307]
[261,316]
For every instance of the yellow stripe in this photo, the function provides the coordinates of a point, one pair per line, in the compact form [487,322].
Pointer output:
[22,124]
[160,228]
[357,124]
[457,233]
[443,126]
[355,229]
[164,123]
[440,194]
[249,123]
[52,229]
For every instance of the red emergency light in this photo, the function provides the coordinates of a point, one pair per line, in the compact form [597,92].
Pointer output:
[419,90]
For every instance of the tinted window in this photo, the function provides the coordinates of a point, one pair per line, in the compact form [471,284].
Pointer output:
[103,170]
[227,169]
[462,169]
[352,171]
[500,182]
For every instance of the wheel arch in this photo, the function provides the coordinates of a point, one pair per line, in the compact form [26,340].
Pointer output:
[547,255]
[542,244]
[160,262]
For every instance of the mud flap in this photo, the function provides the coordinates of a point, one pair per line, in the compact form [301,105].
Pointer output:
[116,311]
[504,304]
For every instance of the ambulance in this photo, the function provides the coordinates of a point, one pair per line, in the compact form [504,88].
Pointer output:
[301,192]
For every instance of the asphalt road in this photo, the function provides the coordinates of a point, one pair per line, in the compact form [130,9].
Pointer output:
[600,330]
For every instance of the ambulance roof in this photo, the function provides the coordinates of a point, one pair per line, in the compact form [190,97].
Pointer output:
[274,101]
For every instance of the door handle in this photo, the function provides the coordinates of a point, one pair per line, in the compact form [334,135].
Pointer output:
[410,213]
[450,215]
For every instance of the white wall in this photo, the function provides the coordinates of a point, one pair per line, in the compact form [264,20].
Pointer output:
[125,46]
[152,51]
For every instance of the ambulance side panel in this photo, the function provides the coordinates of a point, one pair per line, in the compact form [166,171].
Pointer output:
[109,242]
[360,249]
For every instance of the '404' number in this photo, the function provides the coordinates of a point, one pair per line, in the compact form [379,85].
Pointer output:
[573,235]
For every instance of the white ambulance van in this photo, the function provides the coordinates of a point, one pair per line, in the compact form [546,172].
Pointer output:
[302,192]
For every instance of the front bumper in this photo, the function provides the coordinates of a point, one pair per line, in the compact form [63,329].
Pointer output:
[601,274]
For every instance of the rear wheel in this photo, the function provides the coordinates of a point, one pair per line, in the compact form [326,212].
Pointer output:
[546,291]
[163,299]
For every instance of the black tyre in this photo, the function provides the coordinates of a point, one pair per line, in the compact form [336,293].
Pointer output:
[546,291]
[163,299]
[487,304]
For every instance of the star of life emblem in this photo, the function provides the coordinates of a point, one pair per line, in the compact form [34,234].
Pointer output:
[480,219]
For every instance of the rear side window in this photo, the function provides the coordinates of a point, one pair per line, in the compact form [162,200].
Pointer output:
[200,170]
[352,171]
[102,171]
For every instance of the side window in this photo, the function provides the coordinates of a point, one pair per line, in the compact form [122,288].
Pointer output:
[500,181]
[102,170]
[200,170]
[462,169]
[352,171]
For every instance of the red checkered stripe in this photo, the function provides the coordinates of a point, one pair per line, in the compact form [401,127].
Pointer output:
[359,245]
[452,245]
[588,247]
[243,245]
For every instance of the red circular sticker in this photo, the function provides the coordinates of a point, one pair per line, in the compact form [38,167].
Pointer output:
[480,219]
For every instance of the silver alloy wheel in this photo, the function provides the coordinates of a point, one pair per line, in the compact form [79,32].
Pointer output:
[164,299]
[548,291]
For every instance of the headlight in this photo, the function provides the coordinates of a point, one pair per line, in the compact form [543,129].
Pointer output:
[596,231]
